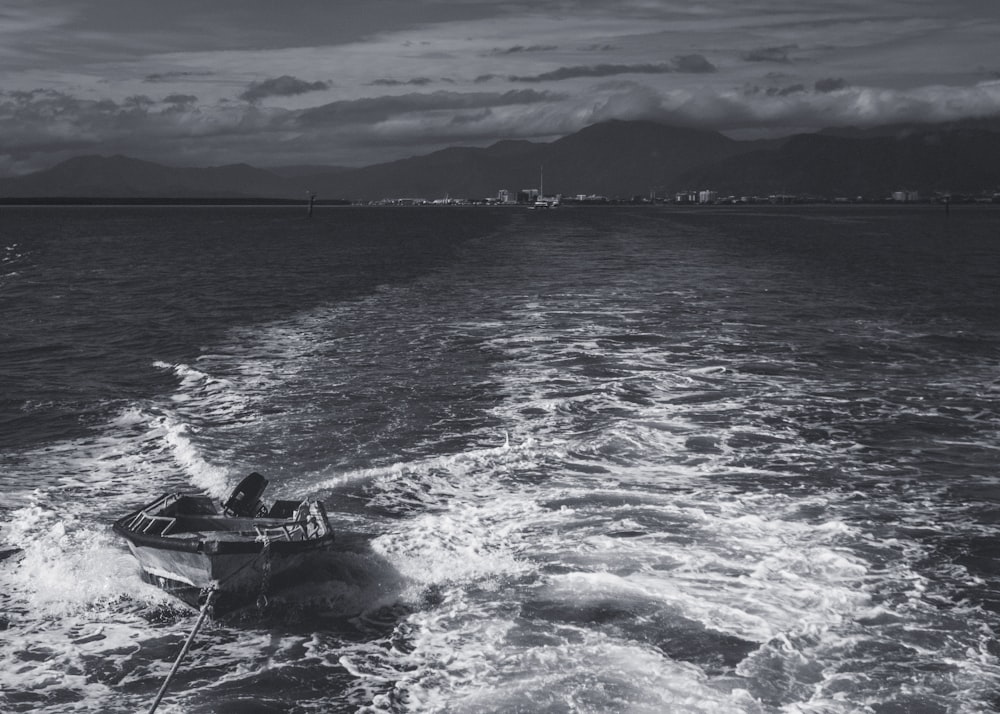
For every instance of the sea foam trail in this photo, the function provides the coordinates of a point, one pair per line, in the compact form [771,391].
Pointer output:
[711,498]
[68,560]
[795,579]
[496,539]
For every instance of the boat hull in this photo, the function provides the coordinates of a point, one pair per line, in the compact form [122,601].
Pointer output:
[188,550]
[239,579]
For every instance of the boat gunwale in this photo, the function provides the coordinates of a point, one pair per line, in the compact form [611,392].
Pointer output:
[202,541]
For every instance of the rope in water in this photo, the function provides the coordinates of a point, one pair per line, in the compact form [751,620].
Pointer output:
[209,599]
[212,593]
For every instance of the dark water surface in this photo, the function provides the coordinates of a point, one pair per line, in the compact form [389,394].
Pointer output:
[637,460]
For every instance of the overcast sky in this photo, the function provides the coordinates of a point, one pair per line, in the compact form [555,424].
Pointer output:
[346,82]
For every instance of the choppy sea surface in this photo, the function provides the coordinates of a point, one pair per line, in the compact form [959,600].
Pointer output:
[590,460]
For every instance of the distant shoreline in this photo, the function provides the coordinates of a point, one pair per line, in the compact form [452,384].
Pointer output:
[147,201]
[343,203]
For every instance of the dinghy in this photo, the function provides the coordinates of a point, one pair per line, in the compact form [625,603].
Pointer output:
[195,547]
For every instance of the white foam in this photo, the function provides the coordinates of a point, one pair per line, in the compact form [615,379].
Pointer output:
[207,477]
[66,562]
[464,657]
[661,473]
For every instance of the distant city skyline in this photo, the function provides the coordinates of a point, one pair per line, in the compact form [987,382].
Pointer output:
[355,83]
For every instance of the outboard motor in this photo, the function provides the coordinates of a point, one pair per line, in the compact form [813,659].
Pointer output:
[244,502]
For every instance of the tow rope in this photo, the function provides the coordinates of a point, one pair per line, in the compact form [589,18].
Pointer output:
[209,599]
[210,596]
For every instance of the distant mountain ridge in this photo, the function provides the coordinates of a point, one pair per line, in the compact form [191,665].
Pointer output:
[124,177]
[615,159]
[962,158]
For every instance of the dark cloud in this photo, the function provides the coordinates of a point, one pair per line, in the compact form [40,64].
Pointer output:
[775,91]
[376,109]
[36,121]
[462,119]
[416,81]
[785,91]
[283,86]
[830,84]
[46,121]
[172,76]
[598,70]
[693,63]
[138,101]
[518,49]
[436,55]
[20,96]
[770,54]
[823,86]
[180,99]
[35,109]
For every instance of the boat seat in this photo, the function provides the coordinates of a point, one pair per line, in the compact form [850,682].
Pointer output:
[211,524]
[283,509]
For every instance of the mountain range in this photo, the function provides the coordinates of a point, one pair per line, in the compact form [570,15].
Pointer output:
[614,159]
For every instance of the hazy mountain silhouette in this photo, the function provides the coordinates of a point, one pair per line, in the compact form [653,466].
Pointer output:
[298,170]
[871,162]
[614,159]
[124,177]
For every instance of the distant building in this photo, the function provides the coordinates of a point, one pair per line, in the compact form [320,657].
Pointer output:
[905,196]
[505,196]
[528,195]
[707,196]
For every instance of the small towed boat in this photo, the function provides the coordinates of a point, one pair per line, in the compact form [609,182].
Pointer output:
[196,548]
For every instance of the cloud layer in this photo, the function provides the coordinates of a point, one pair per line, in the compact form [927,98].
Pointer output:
[283,86]
[224,83]
[685,63]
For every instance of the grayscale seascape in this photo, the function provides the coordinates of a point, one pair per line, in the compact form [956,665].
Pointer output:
[499,357]
[635,459]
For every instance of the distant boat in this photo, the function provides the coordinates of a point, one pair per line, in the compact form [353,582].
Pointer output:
[543,201]
[192,546]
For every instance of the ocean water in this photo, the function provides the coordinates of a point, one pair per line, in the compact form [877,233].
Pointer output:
[585,460]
